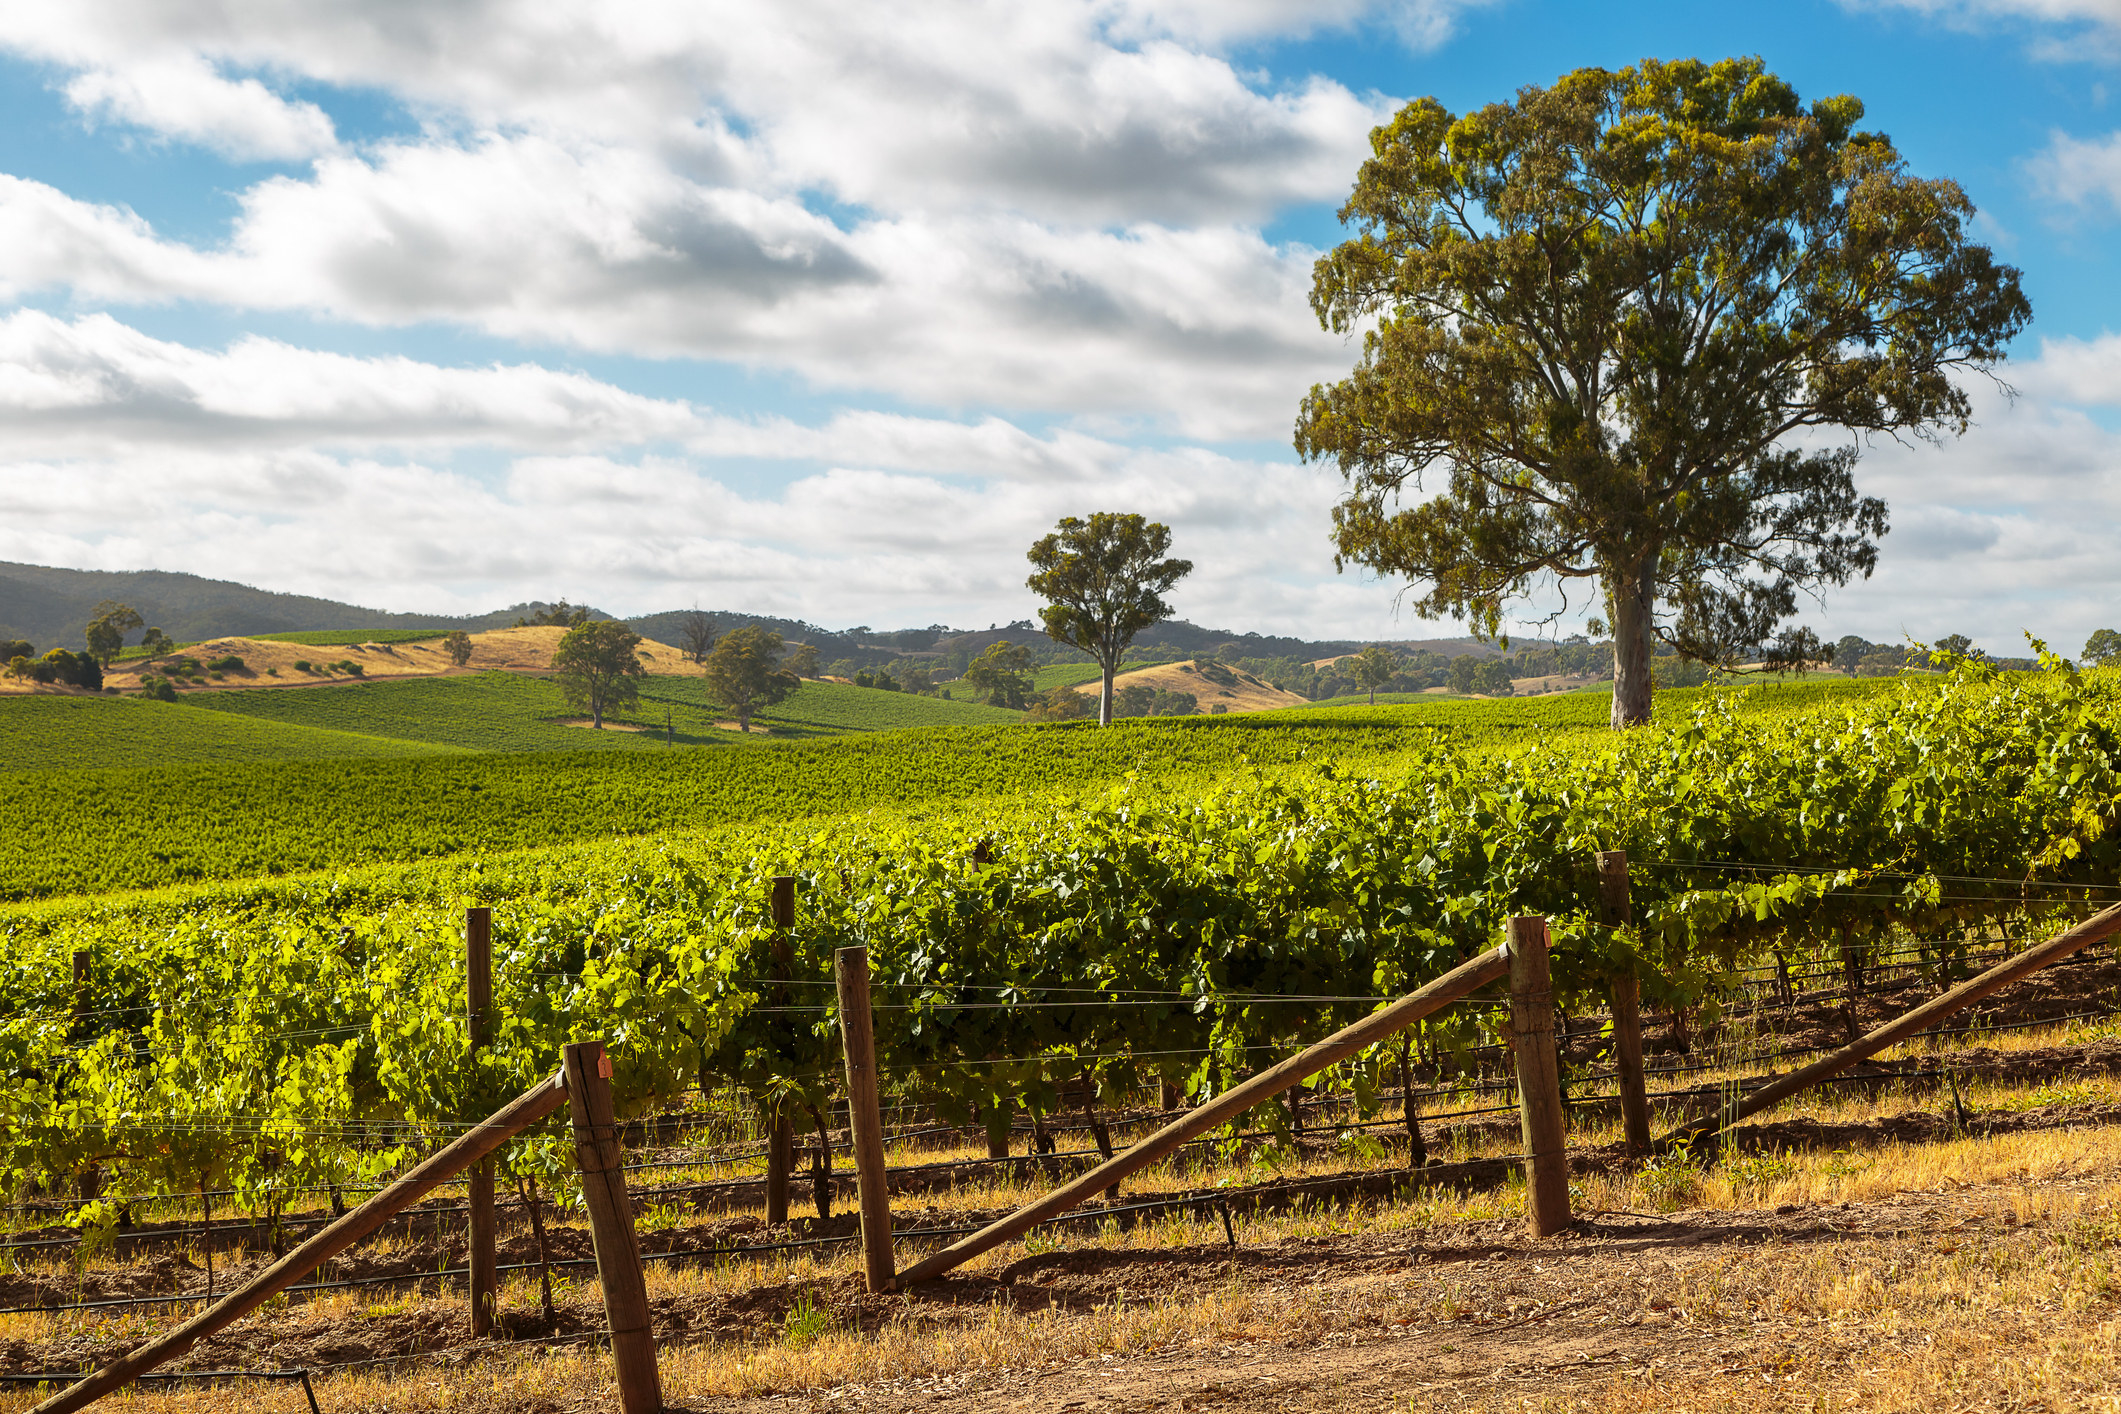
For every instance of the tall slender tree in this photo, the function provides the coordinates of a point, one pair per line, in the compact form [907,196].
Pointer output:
[1104,580]
[1618,319]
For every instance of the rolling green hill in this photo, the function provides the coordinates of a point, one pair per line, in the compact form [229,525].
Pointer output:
[54,733]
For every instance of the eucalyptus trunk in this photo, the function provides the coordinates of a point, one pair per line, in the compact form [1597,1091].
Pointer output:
[1632,597]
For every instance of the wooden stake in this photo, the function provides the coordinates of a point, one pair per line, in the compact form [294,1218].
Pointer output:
[2072,940]
[865,1119]
[478,1009]
[597,1152]
[1617,910]
[780,1126]
[1460,981]
[1538,1079]
[424,1177]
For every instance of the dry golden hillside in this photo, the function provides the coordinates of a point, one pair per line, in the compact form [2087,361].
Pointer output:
[1232,689]
[270,664]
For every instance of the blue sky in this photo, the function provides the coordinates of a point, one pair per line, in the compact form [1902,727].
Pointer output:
[829,310]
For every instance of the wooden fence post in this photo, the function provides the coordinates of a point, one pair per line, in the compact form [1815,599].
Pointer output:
[865,1121]
[427,1175]
[478,1008]
[2071,940]
[1538,1079]
[1616,909]
[780,1128]
[618,1251]
[1460,981]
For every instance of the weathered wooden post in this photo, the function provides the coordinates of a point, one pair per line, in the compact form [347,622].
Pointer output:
[1538,1079]
[618,1251]
[481,1140]
[478,1009]
[1616,909]
[1459,982]
[865,1119]
[780,1128]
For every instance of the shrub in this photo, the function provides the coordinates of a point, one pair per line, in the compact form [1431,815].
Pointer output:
[73,669]
[303,665]
[229,664]
[158,689]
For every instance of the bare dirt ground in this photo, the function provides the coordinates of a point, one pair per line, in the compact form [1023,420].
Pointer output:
[2001,1292]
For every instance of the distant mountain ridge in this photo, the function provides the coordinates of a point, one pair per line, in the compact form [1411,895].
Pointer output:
[51,607]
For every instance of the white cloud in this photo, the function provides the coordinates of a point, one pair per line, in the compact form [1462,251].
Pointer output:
[2080,172]
[95,382]
[181,97]
[1206,330]
[1070,109]
[837,545]
[2086,372]
[2064,31]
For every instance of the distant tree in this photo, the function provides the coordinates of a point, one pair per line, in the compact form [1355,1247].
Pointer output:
[560,615]
[1000,676]
[1493,678]
[458,646]
[2103,646]
[743,673]
[596,669]
[108,624]
[1174,704]
[20,665]
[802,660]
[158,689]
[1373,668]
[1615,323]
[1957,645]
[13,648]
[1060,704]
[1136,699]
[1103,580]
[71,669]
[696,634]
[156,643]
[916,680]
[1849,653]
[1464,674]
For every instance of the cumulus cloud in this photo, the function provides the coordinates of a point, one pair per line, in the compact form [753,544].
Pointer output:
[181,97]
[97,382]
[1072,109]
[653,532]
[2080,172]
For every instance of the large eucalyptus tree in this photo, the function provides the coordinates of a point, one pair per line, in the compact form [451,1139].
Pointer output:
[1631,330]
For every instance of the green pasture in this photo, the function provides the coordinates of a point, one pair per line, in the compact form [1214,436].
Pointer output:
[48,732]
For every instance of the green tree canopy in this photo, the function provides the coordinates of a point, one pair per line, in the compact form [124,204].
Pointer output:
[743,672]
[1104,580]
[802,660]
[458,646]
[596,669]
[1373,667]
[108,624]
[1001,675]
[560,615]
[2103,646]
[1616,318]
